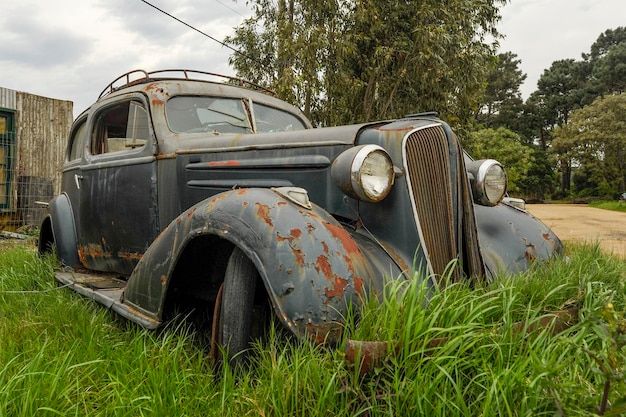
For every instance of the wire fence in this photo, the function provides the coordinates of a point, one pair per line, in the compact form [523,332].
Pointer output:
[23,198]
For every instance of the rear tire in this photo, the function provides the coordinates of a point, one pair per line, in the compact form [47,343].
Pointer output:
[237,302]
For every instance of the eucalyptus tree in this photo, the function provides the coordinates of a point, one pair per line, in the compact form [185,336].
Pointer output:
[356,60]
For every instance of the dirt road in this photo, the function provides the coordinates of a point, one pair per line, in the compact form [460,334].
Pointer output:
[574,222]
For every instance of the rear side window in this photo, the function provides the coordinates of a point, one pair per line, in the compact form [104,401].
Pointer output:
[121,127]
[78,140]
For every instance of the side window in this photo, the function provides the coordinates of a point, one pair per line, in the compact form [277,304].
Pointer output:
[78,141]
[120,128]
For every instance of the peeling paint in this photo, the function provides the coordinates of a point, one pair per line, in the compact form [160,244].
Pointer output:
[344,237]
[230,163]
[263,212]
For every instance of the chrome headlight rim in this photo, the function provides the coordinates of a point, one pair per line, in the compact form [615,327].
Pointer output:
[488,192]
[365,172]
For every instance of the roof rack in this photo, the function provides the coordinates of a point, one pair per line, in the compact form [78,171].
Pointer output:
[140,76]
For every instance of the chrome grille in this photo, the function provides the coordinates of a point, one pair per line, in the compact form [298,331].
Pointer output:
[441,200]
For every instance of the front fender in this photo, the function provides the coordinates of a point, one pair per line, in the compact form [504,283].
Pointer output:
[511,239]
[60,221]
[311,266]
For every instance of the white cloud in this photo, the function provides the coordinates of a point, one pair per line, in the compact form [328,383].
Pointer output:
[71,49]
[541,32]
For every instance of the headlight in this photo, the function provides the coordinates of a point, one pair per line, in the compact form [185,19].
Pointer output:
[364,172]
[488,181]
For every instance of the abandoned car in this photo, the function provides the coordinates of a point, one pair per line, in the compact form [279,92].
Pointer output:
[180,189]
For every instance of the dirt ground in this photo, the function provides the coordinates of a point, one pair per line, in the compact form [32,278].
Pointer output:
[574,222]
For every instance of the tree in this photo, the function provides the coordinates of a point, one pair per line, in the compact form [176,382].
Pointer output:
[595,139]
[504,146]
[345,62]
[610,71]
[562,88]
[290,46]
[606,40]
[540,180]
[502,103]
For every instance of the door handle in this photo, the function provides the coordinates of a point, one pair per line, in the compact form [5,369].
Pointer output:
[77,179]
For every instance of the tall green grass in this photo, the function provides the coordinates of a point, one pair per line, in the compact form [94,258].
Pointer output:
[61,354]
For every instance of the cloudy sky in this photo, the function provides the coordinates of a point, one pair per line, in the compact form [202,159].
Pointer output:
[71,49]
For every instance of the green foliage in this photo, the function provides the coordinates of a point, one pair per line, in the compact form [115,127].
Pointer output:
[569,85]
[502,104]
[345,62]
[504,146]
[595,139]
[540,181]
[454,352]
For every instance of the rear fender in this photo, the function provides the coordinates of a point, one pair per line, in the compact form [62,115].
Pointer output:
[311,266]
[58,227]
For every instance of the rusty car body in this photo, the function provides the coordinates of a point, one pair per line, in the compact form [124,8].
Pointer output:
[181,190]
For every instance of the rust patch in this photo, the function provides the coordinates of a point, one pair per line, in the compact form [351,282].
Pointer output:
[242,191]
[325,246]
[129,255]
[367,355]
[324,333]
[280,238]
[263,212]
[229,163]
[344,237]
[323,265]
[298,255]
[163,280]
[93,251]
[358,285]
[294,234]
[339,286]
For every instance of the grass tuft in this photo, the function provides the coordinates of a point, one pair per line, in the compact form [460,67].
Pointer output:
[456,351]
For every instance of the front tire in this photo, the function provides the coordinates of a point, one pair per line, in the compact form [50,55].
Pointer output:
[236,310]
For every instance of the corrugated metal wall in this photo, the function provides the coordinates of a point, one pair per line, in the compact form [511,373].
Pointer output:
[7,98]
[43,125]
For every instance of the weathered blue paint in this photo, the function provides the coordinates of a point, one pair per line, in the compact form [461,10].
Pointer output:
[310,264]
[511,239]
[59,222]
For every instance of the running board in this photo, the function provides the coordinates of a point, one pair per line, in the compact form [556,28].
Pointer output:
[108,291]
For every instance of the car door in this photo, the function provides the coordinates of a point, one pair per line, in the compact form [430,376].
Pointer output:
[118,216]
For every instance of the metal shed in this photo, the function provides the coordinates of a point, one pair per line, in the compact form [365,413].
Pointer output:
[33,137]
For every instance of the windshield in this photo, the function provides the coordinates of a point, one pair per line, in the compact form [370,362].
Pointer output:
[194,114]
[207,114]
